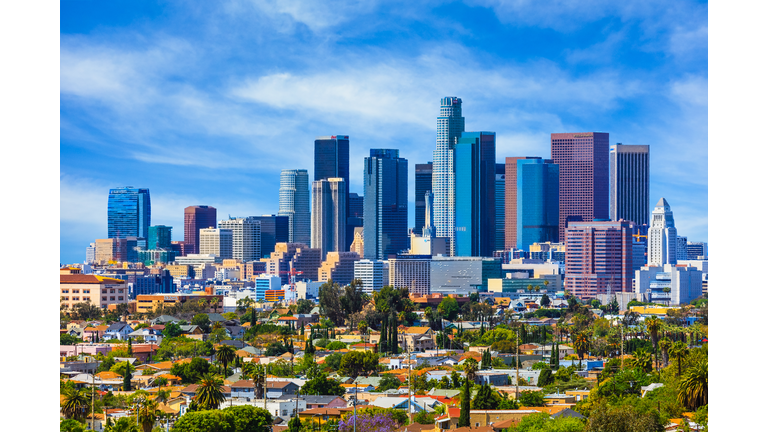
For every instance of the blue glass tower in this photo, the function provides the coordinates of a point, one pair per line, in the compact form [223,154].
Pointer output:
[538,203]
[475,156]
[159,237]
[385,204]
[128,213]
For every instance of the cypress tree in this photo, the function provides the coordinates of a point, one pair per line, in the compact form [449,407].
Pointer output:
[464,413]
[253,317]
[130,348]
[301,330]
[127,377]
[383,348]
[393,342]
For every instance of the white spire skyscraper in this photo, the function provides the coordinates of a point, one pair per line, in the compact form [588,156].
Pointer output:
[662,236]
[450,125]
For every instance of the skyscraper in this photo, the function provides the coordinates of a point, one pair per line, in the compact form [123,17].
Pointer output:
[159,237]
[216,241]
[598,258]
[274,229]
[583,161]
[355,216]
[500,181]
[332,161]
[537,202]
[510,201]
[422,184]
[385,179]
[629,183]
[294,203]
[195,219]
[475,192]
[450,125]
[128,213]
[329,215]
[246,237]
[662,236]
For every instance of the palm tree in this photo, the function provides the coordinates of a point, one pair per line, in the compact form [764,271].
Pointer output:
[148,414]
[210,392]
[257,373]
[665,344]
[470,368]
[693,387]
[642,360]
[581,345]
[654,325]
[75,404]
[679,351]
[225,354]
[162,396]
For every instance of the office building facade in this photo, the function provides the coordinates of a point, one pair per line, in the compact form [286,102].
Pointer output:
[412,272]
[583,161]
[422,184]
[332,161]
[385,179]
[338,267]
[696,250]
[274,229]
[475,192]
[538,203]
[373,273]
[462,275]
[329,215]
[510,201]
[450,126]
[662,235]
[598,258]
[159,237]
[246,237]
[294,203]
[500,182]
[629,168]
[216,241]
[195,219]
[128,213]
[669,284]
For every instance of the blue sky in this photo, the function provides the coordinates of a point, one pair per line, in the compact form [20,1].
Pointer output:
[205,102]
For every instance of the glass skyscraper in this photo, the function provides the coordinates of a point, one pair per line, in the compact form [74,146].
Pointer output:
[422,184]
[159,237]
[450,125]
[538,211]
[329,215]
[500,183]
[332,161]
[475,158]
[630,183]
[385,179]
[294,203]
[128,213]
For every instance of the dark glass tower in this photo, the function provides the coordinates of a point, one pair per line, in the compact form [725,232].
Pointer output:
[630,183]
[476,194]
[500,183]
[422,184]
[332,161]
[537,202]
[195,219]
[128,213]
[385,178]
[274,229]
[583,161]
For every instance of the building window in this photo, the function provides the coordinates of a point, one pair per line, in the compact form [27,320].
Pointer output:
[112,298]
[120,291]
[103,299]
[65,291]
[75,291]
[75,298]
[86,291]
[112,291]
[120,298]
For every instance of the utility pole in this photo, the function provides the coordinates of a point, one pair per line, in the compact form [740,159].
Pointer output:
[410,383]
[354,404]
[93,384]
[517,364]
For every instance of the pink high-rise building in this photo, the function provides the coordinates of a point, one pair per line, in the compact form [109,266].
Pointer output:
[584,182]
[598,258]
[195,219]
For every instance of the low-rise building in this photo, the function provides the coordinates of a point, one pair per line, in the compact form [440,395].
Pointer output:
[96,290]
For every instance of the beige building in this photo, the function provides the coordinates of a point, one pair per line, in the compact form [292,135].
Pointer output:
[150,302]
[180,271]
[338,266]
[97,290]
[357,243]
[216,241]
[109,250]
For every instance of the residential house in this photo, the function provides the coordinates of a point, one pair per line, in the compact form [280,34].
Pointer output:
[323,401]
[243,389]
[277,389]
[320,416]
[146,334]
[480,418]
[417,339]
[118,331]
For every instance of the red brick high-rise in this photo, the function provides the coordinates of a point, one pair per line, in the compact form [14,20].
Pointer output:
[195,219]
[510,201]
[598,258]
[584,182]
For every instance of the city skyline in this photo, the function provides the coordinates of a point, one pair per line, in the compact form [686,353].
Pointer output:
[238,127]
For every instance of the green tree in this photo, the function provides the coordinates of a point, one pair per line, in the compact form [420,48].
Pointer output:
[210,393]
[355,363]
[318,383]
[148,415]
[694,385]
[470,369]
[74,404]
[294,425]
[123,424]
[545,301]
[127,376]
[68,339]
[545,378]
[486,398]
[581,345]
[465,404]
[384,339]
[388,382]
[641,360]
[225,354]
[678,351]
[201,320]
[623,418]
[330,294]
[71,425]
[336,345]
[304,306]
[247,418]
[531,398]
[448,308]
[171,330]
[423,417]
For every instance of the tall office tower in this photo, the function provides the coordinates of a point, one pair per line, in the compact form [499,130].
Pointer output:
[475,158]
[332,161]
[450,125]
[385,179]
[681,248]
[90,254]
[422,184]
[128,213]
[373,274]
[329,215]
[159,237]
[338,267]
[355,216]
[538,206]
[598,258]
[216,241]
[274,229]
[662,236]
[500,180]
[294,203]
[510,201]
[629,183]
[246,237]
[583,160]
[195,219]
[412,272]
